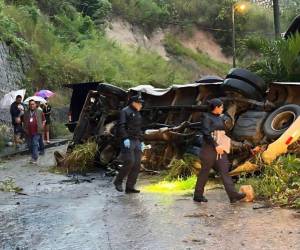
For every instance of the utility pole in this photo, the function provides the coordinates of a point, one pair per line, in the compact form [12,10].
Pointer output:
[233,38]
[276,18]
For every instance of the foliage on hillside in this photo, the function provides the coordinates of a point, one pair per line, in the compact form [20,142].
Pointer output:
[68,47]
[213,16]
[66,42]
[280,59]
[174,47]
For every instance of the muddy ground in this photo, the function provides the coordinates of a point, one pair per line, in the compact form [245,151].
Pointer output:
[58,214]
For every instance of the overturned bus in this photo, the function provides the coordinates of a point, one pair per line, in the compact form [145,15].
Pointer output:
[257,114]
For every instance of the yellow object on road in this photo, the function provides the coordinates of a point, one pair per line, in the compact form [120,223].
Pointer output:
[280,146]
[249,191]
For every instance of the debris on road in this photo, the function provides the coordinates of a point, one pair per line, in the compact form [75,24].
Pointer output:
[197,215]
[9,185]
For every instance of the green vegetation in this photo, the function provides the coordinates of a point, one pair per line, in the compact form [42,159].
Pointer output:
[59,130]
[66,42]
[213,16]
[148,14]
[174,47]
[9,185]
[183,168]
[279,182]
[2,143]
[69,47]
[81,158]
[4,134]
[280,59]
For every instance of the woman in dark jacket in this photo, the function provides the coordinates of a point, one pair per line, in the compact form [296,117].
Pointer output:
[213,155]
[47,113]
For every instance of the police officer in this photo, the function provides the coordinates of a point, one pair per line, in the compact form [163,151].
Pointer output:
[213,155]
[131,147]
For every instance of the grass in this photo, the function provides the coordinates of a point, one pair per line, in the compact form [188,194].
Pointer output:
[59,130]
[279,182]
[81,158]
[9,185]
[174,47]
[183,168]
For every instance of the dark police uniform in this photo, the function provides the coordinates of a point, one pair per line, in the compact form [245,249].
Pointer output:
[130,128]
[209,159]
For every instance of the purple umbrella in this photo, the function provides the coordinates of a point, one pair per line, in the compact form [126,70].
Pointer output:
[44,93]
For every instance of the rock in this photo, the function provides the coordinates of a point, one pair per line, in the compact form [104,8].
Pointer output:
[13,68]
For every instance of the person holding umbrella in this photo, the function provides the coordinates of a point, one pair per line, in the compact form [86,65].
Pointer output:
[17,111]
[47,113]
[46,94]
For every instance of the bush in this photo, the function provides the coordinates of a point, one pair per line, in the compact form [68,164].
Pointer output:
[280,60]
[183,168]
[59,130]
[9,30]
[5,134]
[148,14]
[82,157]
[279,182]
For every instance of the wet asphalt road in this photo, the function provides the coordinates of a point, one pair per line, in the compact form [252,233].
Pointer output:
[63,215]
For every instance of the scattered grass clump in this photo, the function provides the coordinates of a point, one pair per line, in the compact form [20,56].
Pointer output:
[279,182]
[183,168]
[9,185]
[81,158]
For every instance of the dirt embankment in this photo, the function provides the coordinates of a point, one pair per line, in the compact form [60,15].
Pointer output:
[129,35]
[204,42]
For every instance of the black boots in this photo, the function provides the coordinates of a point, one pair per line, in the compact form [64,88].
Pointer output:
[199,198]
[132,191]
[119,187]
[237,197]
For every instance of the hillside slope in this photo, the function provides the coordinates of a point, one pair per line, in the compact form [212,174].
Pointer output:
[65,45]
[199,41]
